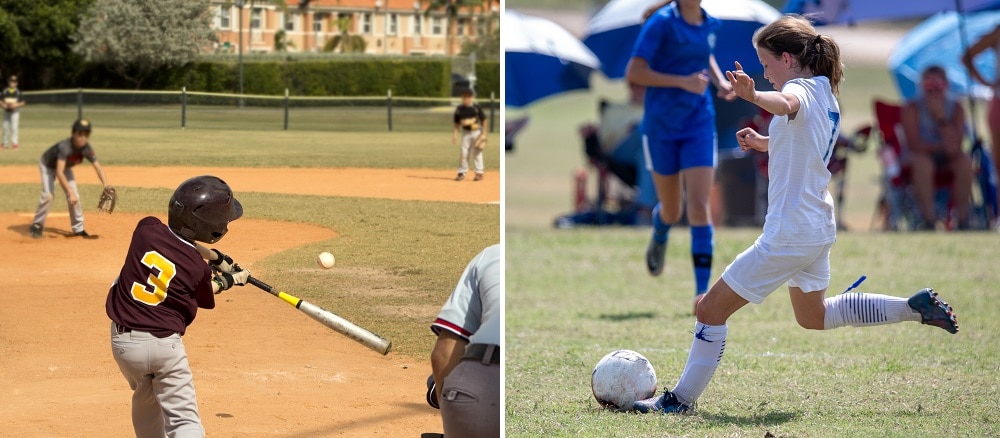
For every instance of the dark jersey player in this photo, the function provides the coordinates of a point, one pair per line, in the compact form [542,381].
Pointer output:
[162,284]
[469,120]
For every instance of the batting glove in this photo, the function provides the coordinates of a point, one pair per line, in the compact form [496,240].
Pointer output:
[224,263]
[226,280]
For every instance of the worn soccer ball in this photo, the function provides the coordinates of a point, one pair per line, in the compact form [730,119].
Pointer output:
[621,378]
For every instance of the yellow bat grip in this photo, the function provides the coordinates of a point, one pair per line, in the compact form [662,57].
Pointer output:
[290,299]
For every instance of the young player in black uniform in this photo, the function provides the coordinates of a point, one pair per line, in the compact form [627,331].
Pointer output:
[469,118]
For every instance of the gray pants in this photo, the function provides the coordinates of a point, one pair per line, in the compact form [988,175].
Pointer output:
[470,400]
[468,138]
[10,121]
[48,189]
[157,370]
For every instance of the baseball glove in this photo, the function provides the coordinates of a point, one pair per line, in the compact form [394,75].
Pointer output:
[480,142]
[108,200]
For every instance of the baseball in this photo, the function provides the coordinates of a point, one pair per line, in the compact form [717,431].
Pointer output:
[325,260]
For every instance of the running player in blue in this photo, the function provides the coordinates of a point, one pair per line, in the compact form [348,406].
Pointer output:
[673,59]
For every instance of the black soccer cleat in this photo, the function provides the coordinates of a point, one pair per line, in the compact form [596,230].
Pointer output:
[664,404]
[460,177]
[933,310]
[655,254]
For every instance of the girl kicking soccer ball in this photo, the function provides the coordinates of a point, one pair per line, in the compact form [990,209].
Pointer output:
[799,228]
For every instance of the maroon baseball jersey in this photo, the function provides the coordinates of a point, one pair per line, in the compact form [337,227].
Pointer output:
[64,150]
[162,284]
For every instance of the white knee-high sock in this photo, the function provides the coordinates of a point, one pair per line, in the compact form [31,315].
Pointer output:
[864,309]
[706,352]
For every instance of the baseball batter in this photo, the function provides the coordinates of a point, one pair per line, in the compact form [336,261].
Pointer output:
[469,119]
[161,286]
[12,101]
[466,356]
[57,164]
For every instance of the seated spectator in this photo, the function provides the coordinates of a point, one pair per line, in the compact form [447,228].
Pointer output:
[615,145]
[934,127]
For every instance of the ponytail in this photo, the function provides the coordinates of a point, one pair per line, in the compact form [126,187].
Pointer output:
[796,36]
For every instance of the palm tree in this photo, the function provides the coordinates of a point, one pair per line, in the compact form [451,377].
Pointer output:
[450,8]
[348,43]
[281,42]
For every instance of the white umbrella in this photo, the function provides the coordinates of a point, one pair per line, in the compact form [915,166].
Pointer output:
[612,32]
[541,59]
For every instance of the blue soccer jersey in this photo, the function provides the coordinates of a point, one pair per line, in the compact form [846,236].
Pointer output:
[670,45]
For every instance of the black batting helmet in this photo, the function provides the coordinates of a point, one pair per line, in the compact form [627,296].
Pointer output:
[201,208]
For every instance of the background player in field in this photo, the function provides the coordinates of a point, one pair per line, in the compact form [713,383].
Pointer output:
[12,102]
[470,120]
[466,357]
[57,164]
[673,59]
[162,283]
[800,226]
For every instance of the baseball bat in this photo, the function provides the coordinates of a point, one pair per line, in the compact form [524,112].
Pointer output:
[329,319]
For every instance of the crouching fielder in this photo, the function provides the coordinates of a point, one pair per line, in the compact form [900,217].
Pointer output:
[799,229]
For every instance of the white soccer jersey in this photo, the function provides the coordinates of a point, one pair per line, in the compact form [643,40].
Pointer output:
[799,204]
[474,310]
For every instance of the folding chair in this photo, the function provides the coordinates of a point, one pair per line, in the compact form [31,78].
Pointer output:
[897,204]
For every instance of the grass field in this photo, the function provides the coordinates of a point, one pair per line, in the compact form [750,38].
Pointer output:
[419,248]
[575,295]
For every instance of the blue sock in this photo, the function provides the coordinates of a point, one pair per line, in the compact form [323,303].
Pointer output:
[660,229]
[702,245]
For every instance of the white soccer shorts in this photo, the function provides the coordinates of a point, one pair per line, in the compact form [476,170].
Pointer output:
[762,269]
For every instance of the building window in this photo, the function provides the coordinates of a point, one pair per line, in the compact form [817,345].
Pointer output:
[318,22]
[393,24]
[460,26]
[223,17]
[366,23]
[291,20]
[418,25]
[436,25]
[256,18]
[481,27]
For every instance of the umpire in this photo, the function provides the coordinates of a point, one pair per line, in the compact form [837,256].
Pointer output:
[466,358]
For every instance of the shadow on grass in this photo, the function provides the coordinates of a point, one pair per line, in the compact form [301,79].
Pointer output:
[752,419]
[627,316]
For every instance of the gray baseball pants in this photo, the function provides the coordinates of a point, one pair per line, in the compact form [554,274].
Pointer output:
[157,370]
[468,138]
[470,400]
[48,189]
[10,122]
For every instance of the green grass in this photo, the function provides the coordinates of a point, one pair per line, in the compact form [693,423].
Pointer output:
[405,256]
[121,138]
[576,295]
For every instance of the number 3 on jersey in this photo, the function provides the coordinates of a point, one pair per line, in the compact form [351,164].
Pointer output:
[159,283]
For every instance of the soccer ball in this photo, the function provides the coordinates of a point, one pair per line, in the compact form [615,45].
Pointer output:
[621,378]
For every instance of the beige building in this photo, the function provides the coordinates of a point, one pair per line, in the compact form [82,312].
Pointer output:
[390,27]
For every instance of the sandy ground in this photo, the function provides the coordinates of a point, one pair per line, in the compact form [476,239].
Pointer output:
[406,184]
[261,368]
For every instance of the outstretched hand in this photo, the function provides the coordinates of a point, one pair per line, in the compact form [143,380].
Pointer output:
[743,84]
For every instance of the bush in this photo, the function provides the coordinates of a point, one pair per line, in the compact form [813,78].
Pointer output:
[370,76]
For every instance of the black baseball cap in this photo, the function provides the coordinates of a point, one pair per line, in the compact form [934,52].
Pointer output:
[82,125]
